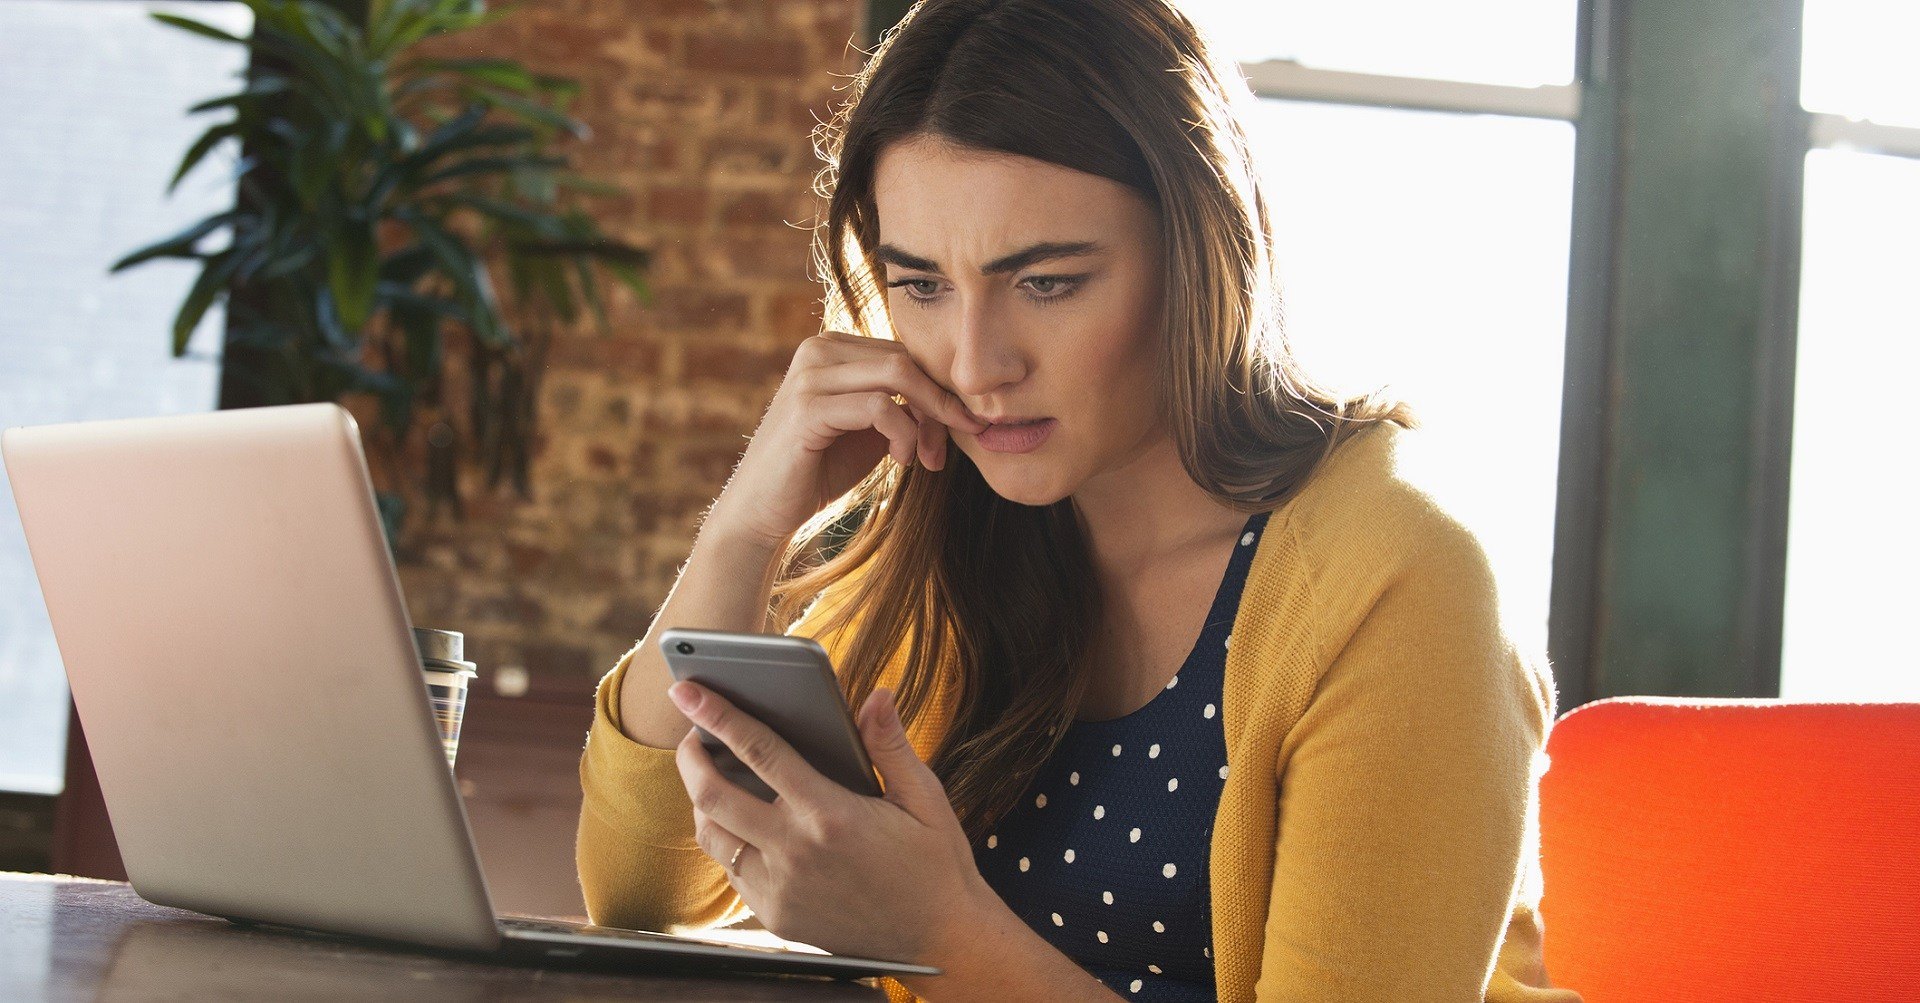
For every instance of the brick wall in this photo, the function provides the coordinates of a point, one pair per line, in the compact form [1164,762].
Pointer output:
[701,111]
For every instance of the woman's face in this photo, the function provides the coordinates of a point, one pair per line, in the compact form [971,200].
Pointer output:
[1072,338]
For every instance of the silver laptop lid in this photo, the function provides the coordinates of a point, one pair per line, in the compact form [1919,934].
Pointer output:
[242,662]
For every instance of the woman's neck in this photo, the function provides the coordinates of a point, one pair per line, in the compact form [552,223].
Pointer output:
[1148,509]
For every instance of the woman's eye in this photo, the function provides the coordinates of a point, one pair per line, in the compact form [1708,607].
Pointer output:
[1053,287]
[910,283]
[1043,289]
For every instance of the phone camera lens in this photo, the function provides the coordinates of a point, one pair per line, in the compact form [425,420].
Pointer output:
[684,648]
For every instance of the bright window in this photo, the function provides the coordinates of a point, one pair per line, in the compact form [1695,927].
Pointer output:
[1851,538]
[93,100]
[1419,160]
[1428,252]
[1521,43]
[1858,60]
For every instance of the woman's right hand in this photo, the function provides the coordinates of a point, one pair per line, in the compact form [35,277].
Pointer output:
[832,419]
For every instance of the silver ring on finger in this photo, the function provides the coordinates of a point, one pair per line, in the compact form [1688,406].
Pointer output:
[734,861]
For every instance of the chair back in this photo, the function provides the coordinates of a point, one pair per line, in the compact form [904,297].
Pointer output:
[1700,849]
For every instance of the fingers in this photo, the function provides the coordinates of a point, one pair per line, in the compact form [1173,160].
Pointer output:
[872,409]
[764,752]
[932,441]
[721,800]
[715,840]
[892,369]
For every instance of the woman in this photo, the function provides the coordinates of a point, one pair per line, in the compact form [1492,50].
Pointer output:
[1202,695]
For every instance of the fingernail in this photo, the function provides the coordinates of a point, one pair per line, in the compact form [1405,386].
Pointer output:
[685,696]
[890,711]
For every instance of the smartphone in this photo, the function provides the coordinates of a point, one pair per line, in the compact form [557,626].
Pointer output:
[787,683]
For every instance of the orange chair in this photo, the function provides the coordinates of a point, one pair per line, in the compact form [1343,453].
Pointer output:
[1717,849]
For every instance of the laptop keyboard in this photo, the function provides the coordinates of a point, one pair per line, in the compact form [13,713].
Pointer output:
[531,925]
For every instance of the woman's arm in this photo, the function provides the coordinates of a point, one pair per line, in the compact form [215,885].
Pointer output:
[638,864]
[987,952]
[724,585]
[1406,794]
[635,854]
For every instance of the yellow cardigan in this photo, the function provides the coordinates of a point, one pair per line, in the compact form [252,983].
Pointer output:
[1377,837]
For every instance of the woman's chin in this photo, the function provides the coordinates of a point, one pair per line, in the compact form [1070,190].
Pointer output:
[1026,486]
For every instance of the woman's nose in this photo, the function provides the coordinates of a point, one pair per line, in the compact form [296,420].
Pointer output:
[984,358]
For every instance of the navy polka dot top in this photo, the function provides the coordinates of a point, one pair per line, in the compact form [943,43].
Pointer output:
[1106,854]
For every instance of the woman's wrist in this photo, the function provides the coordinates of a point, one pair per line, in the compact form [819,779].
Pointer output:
[724,528]
[986,951]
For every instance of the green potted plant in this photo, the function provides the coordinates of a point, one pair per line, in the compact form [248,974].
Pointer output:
[374,183]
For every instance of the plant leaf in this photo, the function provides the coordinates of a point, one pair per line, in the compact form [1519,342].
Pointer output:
[591,292]
[353,270]
[180,245]
[459,264]
[493,165]
[198,28]
[266,84]
[578,183]
[530,111]
[498,72]
[211,283]
[200,148]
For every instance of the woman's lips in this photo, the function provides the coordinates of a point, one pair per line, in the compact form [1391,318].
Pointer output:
[1022,438]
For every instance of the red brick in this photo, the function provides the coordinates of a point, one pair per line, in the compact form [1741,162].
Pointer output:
[483,507]
[655,512]
[677,204]
[737,154]
[668,97]
[735,52]
[771,254]
[786,111]
[681,308]
[644,457]
[761,209]
[681,8]
[651,155]
[676,408]
[527,558]
[710,463]
[734,363]
[796,316]
[620,354]
[736,107]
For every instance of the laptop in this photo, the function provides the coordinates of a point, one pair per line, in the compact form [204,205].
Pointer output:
[241,659]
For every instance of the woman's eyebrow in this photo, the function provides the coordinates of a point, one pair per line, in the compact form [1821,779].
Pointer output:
[1044,251]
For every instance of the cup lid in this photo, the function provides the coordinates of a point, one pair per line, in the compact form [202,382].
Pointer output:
[446,645]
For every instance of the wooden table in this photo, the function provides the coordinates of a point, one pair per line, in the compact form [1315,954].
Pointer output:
[66,938]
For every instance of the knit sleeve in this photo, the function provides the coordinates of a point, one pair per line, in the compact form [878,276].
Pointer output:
[637,861]
[1408,812]
[638,864]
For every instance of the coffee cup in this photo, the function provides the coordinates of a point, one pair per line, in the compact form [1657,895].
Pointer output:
[448,675]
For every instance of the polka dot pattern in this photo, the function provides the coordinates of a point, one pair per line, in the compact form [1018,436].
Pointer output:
[1106,857]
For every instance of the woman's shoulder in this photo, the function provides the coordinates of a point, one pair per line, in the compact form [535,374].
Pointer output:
[1376,512]
[1383,487]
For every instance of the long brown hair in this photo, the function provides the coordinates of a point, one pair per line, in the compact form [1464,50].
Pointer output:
[996,598]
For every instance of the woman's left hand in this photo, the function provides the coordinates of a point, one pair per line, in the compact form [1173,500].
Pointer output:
[887,877]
